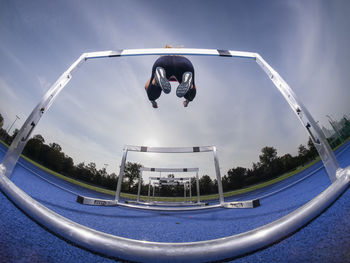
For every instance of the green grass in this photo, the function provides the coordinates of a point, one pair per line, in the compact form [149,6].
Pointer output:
[68,179]
[71,180]
[177,199]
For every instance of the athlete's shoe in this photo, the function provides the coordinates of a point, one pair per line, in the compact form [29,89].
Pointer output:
[162,80]
[154,104]
[185,84]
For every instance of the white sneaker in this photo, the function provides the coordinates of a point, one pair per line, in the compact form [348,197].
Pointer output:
[162,80]
[185,84]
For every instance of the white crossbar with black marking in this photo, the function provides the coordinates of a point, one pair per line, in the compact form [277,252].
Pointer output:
[174,170]
[169,179]
[170,183]
[169,150]
[166,204]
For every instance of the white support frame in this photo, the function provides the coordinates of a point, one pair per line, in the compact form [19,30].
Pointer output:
[210,250]
[178,181]
[195,149]
[168,170]
[185,183]
[168,181]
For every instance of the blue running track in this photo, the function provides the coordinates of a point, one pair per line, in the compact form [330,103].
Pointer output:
[325,239]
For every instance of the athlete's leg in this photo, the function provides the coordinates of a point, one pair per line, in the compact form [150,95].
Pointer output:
[180,66]
[153,92]
[189,96]
[191,93]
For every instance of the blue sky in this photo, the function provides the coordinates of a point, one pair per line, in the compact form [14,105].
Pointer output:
[237,107]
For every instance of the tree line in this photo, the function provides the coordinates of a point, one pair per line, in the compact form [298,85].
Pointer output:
[269,166]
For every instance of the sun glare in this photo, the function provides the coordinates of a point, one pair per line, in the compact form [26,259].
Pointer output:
[151,142]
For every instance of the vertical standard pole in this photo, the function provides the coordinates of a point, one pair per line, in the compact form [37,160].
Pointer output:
[153,192]
[149,190]
[190,185]
[139,188]
[17,118]
[197,183]
[218,176]
[184,192]
[121,174]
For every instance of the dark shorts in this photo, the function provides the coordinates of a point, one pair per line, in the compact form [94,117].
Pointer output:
[174,66]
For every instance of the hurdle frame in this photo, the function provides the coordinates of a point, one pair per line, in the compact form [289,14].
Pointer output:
[176,180]
[209,250]
[160,170]
[185,182]
[145,149]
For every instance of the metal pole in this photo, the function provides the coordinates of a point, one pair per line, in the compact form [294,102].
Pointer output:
[149,190]
[218,176]
[17,118]
[121,174]
[197,183]
[335,128]
[139,188]
[190,190]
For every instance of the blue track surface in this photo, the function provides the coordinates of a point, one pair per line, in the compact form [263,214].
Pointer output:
[327,238]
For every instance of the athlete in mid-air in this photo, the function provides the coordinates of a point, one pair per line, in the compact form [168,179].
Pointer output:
[171,68]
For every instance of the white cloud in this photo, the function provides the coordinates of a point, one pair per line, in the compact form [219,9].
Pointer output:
[7,91]
[44,84]
[237,107]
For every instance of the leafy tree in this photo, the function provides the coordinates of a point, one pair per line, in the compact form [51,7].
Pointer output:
[312,152]
[14,133]
[91,167]
[288,162]
[33,147]
[131,172]
[205,185]
[55,147]
[302,153]
[39,138]
[68,166]
[236,177]
[194,186]
[103,172]
[1,121]
[82,173]
[54,157]
[269,162]
[269,154]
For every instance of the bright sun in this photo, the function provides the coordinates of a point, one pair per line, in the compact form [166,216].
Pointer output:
[151,142]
